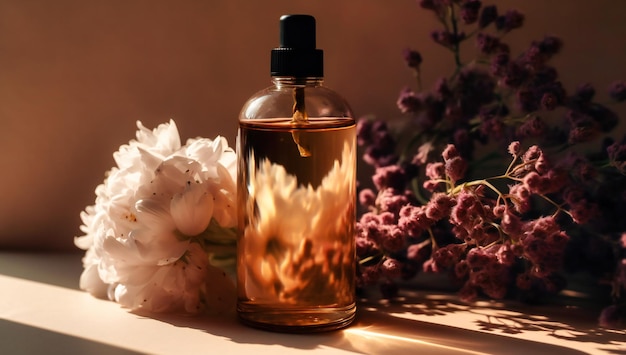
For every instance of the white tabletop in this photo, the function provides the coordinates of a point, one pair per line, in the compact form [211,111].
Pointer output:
[43,312]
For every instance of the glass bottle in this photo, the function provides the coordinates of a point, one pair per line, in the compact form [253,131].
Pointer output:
[296,151]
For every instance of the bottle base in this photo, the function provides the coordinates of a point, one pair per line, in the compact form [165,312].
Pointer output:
[296,320]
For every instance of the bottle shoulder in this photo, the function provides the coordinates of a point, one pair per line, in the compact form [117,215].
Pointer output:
[278,102]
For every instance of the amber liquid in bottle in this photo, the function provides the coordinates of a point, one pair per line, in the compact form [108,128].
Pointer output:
[296,202]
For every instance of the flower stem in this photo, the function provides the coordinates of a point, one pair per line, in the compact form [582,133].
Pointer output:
[456,41]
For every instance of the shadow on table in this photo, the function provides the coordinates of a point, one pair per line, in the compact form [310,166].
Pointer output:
[59,269]
[571,320]
[17,339]
[379,330]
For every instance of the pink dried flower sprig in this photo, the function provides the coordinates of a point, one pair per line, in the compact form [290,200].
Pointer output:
[491,236]
[554,209]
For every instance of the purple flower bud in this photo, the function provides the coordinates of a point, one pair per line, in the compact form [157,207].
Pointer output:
[479,258]
[413,220]
[431,4]
[492,126]
[419,252]
[499,209]
[522,197]
[369,229]
[532,127]
[394,239]
[584,93]
[365,247]
[534,182]
[487,16]
[387,218]
[511,20]
[439,206]
[583,131]
[450,152]
[542,166]
[447,39]
[430,185]
[617,155]
[558,239]
[442,89]
[461,269]
[550,45]
[368,218]
[391,268]
[617,91]
[532,153]
[367,198]
[377,156]
[408,101]
[363,131]
[573,194]
[511,224]
[542,227]
[430,266]
[370,275]
[435,171]
[605,118]
[469,11]
[505,255]
[447,256]
[412,58]
[468,210]
[514,75]
[514,148]
[427,4]
[389,176]
[456,168]
[500,63]
[489,44]
[390,200]
[549,101]
[533,57]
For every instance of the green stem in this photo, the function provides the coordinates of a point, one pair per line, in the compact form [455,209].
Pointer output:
[432,239]
[455,32]
[417,192]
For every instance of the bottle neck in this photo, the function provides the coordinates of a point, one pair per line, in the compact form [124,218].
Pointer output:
[290,81]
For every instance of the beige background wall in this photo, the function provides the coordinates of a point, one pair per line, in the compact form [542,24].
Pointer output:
[75,75]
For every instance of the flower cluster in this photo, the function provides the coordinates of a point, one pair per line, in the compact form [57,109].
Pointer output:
[547,206]
[163,225]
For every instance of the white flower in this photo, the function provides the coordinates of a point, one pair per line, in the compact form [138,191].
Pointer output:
[163,212]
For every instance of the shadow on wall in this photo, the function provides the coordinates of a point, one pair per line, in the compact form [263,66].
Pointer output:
[75,76]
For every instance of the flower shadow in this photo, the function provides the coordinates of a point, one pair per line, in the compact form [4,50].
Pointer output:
[227,327]
[565,320]
[426,323]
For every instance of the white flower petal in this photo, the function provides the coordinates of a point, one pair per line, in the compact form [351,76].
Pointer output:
[91,282]
[192,210]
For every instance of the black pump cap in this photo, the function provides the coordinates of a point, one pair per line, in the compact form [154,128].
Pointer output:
[297,55]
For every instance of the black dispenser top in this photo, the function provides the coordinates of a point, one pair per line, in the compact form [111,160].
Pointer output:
[297,55]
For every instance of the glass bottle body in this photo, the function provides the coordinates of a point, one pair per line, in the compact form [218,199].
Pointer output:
[296,208]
